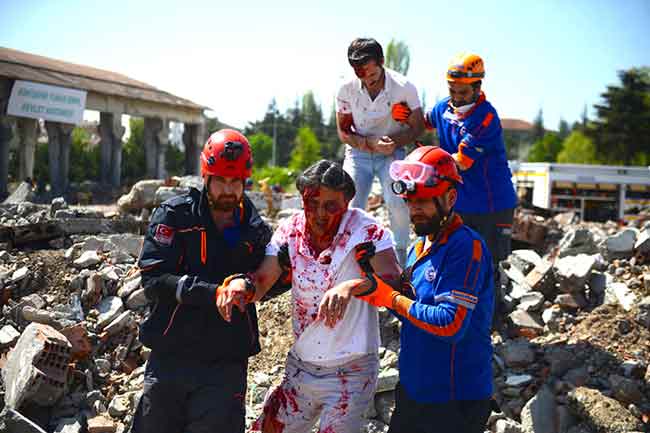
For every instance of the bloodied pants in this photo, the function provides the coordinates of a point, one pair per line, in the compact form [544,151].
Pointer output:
[338,395]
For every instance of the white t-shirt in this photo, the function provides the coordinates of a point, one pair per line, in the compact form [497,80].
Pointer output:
[373,118]
[357,334]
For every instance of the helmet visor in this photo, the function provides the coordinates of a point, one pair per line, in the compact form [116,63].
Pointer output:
[412,171]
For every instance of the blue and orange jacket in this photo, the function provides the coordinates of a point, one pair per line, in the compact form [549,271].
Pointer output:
[446,349]
[477,137]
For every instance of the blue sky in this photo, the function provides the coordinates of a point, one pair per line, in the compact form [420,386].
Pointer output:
[236,56]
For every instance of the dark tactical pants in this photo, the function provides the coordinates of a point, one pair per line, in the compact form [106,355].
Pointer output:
[192,397]
[465,416]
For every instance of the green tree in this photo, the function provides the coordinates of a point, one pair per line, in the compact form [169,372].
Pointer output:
[84,158]
[398,57]
[307,150]
[621,131]
[133,162]
[282,125]
[538,126]
[578,149]
[262,147]
[312,114]
[563,129]
[546,149]
[174,161]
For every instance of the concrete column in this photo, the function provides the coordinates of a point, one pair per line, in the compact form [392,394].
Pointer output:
[192,138]
[6,134]
[156,140]
[59,143]
[27,135]
[111,132]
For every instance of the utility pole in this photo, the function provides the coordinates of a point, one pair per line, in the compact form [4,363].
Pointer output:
[274,156]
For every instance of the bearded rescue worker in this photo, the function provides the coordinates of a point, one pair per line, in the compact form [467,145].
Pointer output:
[469,128]
[445,347]
[373,139]
[195,379]
[332,367]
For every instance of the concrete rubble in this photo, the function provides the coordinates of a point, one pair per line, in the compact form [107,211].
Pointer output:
[572,353]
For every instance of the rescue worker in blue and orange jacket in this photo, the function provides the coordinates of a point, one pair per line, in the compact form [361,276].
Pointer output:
[195,379]
[445,360]
[469,128]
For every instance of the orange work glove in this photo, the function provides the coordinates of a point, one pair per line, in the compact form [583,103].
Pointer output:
[400,112]
[383,296]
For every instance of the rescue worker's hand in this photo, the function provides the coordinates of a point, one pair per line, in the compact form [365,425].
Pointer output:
[236,290]
[385,146]
[383,296]
[335,301]
[459,164]
[400,112]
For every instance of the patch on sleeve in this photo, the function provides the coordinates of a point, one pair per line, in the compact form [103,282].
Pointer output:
[164,234]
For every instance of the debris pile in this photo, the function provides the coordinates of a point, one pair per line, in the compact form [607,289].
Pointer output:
[572,354]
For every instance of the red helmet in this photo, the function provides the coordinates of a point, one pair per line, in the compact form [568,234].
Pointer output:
[426,172]
[228,154]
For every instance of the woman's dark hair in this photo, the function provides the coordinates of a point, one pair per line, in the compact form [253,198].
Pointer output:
[363,50]
[328,174]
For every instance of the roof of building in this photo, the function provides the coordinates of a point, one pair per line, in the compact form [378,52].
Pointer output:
[516,124]
[25,66]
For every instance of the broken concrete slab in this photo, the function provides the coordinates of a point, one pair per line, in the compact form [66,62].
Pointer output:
[137,300]
[642,244]
[524,260]
[578,241]
[387,380]
[69,425]
[87,259]
[128,242]
[539,415]
[526,323]
[572,272]
[101,424]
[622,243]
[531,301]
[602,413]
[37,367]
[620,293]
[8,336]
[11,421]
[517,353]
[142,195]
[130,285]
[572,301]
[124,320]
[109,308]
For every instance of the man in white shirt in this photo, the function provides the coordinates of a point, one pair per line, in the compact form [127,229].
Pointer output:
[332,367]
[373,138]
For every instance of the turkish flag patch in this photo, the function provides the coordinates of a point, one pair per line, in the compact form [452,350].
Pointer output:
[164,234]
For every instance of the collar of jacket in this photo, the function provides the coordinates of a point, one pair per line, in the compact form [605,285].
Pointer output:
[462,116]
[250,218]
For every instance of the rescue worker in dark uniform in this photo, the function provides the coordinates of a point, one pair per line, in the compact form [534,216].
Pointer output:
[195,378]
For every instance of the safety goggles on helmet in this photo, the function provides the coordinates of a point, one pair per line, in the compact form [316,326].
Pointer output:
[414,171]
[453,73]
